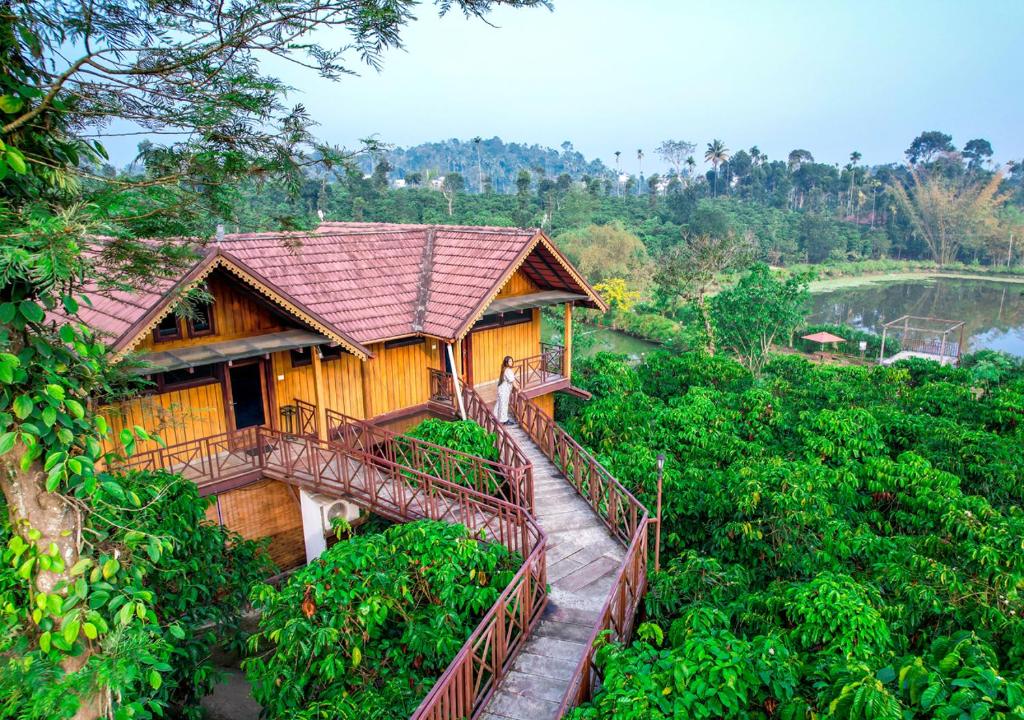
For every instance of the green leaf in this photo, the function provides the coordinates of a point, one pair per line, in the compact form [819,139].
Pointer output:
[177,631]
[81,566]
[110,568]
[23,406]
[71,306]
[10,104]
[44,642]
[70,631]
[154,680]
[7,442]
[31,311]
[16,160]
[90,630]
[55,391]
[75,407]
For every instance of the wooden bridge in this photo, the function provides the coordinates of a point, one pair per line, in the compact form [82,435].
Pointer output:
[531,656]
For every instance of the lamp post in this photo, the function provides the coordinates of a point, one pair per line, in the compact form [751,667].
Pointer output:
[657,537]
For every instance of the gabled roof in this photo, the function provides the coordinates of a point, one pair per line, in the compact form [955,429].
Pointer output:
[129,316]
[360,283]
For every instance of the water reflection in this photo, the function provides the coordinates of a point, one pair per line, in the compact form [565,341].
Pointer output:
[993,311]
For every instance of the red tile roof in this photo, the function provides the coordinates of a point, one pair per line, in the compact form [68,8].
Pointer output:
[366,280]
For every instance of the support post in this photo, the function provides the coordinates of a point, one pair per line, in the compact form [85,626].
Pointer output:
[455,380]
[319,395]
[367,407]
[657,537]
[881,351]
[567,342]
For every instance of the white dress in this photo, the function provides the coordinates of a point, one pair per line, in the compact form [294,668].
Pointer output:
[508,376]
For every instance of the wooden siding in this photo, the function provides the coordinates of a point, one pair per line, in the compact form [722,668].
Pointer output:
[176,416]
[491,346]
[546,403]
[518,284]
[236,314]
[343,385]
[266,509]
[398,378]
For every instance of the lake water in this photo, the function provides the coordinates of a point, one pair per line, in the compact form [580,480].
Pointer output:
[593,340]
[993,310]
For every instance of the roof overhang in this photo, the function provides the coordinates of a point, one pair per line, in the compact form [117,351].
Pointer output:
[591,298]
[534,300]
[219,259]
[228,350]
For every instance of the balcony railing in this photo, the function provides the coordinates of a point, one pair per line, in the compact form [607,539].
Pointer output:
[624,516]
[543,368]
[510,478]
[442,388]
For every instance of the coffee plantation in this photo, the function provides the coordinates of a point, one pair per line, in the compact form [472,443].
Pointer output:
[838,541]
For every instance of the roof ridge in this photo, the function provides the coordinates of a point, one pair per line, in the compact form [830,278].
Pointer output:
[426,273]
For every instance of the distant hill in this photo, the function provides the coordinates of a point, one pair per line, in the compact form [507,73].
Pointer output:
[499,161]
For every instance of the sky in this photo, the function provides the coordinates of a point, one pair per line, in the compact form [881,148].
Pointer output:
[829,76]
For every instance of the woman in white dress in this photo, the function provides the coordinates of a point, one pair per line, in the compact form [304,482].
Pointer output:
[506,381]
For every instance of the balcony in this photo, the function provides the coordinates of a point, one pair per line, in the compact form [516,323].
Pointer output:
[537,375]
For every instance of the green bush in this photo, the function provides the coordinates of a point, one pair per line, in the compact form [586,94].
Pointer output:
[198,576]
[365,630]
[836,541]
[461,435]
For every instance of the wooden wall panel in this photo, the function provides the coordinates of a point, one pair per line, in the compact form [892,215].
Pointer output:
[518,284]
[343,385]
[491,346]
[265,509]
[399,377]
[176,416]
[236,314]
[546,403]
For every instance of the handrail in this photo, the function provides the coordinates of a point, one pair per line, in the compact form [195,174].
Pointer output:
[307,418]
[509,451]
[402,493]
[620,511]
[543,368]
[510,482]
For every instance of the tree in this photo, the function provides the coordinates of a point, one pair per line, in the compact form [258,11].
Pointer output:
[602,252]
[757,310]
[799,157]
[688,271]
[189,73]
[948,212]
[978,152]
[452,185]
[927,145]
[640,162]
[479,165]
[716,154]
[675,152]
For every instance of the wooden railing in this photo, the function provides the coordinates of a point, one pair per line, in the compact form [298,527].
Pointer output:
[305,418]
[625,517]
[402,493]
[442,389]
[509,453]
[510,479]
[543,368]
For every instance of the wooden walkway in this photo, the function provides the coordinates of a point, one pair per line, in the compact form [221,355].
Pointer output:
[582,559]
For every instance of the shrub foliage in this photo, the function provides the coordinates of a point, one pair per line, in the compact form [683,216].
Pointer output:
[841,541]
[366,629]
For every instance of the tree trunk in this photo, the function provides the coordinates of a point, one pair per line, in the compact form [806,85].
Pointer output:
[709,330]
[30,506]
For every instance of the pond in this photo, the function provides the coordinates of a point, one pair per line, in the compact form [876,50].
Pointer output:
[592,340]
[992,309]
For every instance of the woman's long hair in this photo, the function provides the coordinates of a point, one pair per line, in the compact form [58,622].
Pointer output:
[507,362]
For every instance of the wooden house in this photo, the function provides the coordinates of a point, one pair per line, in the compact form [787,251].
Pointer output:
[373,321]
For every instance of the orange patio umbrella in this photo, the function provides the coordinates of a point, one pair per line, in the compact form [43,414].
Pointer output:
[823,338]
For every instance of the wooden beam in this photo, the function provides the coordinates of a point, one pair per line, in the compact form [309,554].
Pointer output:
[320,395]
[567,341]
[364,376]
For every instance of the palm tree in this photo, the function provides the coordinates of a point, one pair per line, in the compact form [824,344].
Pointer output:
[690,165]
[716,154]
[755,155]
[854,159]
[640,159]
[618,173]
[479,166]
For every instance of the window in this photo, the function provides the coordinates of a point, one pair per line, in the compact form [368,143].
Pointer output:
[403,342]
[186,377]
[304,356]
[513,317]
[301,357]
[202,321]
[168,329]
